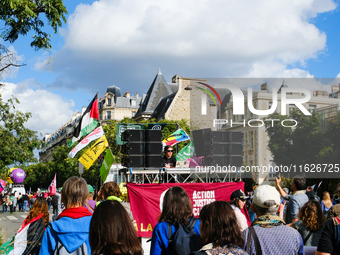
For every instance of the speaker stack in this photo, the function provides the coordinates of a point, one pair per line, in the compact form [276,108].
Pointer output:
[221,148]
[142,149]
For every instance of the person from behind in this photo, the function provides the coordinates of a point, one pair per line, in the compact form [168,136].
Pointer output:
[296,200]
[273,236]
[112,232]
[220,233]
[238,201]
[168,160]
[177,211]
[90,204]
[28,238]
[329,240]
[326,203]
[70,231]
[111,191]
[311,223]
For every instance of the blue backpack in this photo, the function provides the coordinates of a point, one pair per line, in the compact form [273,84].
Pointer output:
[185,240]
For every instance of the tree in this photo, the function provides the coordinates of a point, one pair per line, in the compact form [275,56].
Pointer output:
[17,142]
[298,145]
[23,16]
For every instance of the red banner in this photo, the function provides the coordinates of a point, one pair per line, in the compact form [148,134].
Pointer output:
[145,200]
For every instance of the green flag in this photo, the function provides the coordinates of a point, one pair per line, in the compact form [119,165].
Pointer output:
[187,152]
[107,163]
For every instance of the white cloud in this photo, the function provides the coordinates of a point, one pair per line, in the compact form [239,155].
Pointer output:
[235,30]
[49,111]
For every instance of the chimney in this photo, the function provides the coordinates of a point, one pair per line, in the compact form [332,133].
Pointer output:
[175,79]
[137,95]
[127,94]
[265,86]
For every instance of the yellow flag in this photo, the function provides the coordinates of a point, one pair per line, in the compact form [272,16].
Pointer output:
[91,154]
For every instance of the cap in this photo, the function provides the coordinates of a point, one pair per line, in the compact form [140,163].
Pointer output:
[238,194]
[90,189]
[266,196]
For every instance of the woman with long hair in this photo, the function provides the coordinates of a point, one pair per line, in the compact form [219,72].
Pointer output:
[112,232]
[176,212]
[326,203]
[311,222]
[29,237]
[220,233]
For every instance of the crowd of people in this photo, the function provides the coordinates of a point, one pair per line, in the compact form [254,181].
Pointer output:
[283,223]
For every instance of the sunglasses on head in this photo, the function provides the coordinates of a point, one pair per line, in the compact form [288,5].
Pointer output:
[169,150]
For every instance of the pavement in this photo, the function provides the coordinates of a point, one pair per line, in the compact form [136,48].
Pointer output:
[11,222]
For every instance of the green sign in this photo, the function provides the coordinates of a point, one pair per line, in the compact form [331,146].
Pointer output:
[121,127]
[106,165]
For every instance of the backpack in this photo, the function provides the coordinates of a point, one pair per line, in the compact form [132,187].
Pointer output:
[61,250]
[185,240]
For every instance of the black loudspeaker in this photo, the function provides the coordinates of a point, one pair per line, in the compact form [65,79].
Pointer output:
[133,148]
[202,141]
[133,160]
[153,148]
[153,135]
[153,161]
[143,148]
[219,147]
[133,135]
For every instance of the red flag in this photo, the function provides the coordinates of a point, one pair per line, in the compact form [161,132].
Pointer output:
[52,189]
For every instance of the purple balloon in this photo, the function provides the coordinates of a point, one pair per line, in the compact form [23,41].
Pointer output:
[18,175]
[3,184]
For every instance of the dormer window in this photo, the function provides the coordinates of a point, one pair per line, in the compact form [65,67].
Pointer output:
[109,102]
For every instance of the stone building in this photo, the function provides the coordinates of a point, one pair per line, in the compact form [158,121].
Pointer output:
[174,101]
[114,106]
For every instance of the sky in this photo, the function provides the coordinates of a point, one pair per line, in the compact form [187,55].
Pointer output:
[124,43]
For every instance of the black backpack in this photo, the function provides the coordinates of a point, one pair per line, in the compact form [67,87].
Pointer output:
[185,240]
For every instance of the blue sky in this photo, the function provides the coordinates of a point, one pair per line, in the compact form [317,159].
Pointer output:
[123,43]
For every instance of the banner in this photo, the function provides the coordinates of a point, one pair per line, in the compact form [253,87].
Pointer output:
[52,189]
[187,152]
[178,136]
[106,165]
[93,153]
[121,127]
[145,200]
[95,134]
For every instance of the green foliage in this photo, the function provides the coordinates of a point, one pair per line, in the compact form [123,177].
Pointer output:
[23,16]
[17,142]
[305,143]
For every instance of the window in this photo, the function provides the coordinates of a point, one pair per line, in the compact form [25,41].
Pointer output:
[270,104]
[133,103]
[108,115]
[109,102]
[133,114]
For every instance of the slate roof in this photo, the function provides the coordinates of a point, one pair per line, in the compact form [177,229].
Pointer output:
[163,106]
[126,102]
[158,90]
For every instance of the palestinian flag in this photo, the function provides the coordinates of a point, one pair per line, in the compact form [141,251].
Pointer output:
[88,122]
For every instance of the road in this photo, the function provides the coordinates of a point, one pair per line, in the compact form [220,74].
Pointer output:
[11,222]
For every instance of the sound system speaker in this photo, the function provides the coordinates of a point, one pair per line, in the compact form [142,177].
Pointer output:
[142,149]
[133,135]
[153,161]
[133,161]
[219,147]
